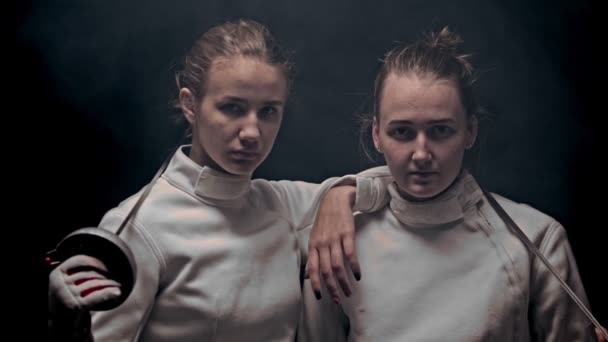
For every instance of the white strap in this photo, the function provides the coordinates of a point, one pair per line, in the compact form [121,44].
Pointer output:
[144,195]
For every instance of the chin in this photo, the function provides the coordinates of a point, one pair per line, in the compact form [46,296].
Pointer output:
[422,196]
[241,169]
[417,193]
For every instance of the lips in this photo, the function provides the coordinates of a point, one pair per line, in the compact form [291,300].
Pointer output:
[245,155]
[422,174]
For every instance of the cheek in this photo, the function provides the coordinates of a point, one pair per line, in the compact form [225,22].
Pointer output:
[270,131]
[451,157]
[210,140]
[396,153]
[212,123]
[214,134]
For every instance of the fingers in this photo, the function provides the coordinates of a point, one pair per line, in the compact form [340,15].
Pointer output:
[84,281]
[326,272]
[328,259]
[331,252]
[79,283]
[73,264]
[348,243]
[82,276]
[337,267]
[91,288]
[313,272]
[97,291]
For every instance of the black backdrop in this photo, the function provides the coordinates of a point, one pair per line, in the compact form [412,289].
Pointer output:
[94,81]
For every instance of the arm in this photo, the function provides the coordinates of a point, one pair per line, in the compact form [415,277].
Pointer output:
[125,322]
[75,286]
[301,200]
[554,315]
[333,232]
[79,283]
[334,226]
[332,238]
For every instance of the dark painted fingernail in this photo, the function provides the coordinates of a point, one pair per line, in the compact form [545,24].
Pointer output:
[357,276]
[337,300]
[318,295]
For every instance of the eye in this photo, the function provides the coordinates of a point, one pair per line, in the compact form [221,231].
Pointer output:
[232,109]
[268,112]
[439,132]
[403,133]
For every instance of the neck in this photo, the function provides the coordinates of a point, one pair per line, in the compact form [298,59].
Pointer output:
[200,156]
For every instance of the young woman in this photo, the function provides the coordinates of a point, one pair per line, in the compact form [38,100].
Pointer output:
[440,264]
[217,254]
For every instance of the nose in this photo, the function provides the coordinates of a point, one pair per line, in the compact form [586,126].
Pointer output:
[249,134]
[422,155]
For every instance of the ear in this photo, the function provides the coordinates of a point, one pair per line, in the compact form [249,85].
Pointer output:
[472,126]
[188,104]
[376,134]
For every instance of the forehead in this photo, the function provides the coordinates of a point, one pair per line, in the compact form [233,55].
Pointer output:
[246,77]
[419,99]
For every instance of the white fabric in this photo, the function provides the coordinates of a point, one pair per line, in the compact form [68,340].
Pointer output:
[450,270]
[218,257]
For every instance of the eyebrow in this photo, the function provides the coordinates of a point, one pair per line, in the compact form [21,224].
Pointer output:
[431,122]
[273,103]
[242,100]
[233,99]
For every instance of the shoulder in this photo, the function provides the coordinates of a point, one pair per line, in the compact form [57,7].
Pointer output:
[533,222]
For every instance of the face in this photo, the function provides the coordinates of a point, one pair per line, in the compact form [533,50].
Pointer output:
[423,132]
[235,124]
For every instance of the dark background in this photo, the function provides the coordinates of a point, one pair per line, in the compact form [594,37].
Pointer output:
[93,81]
